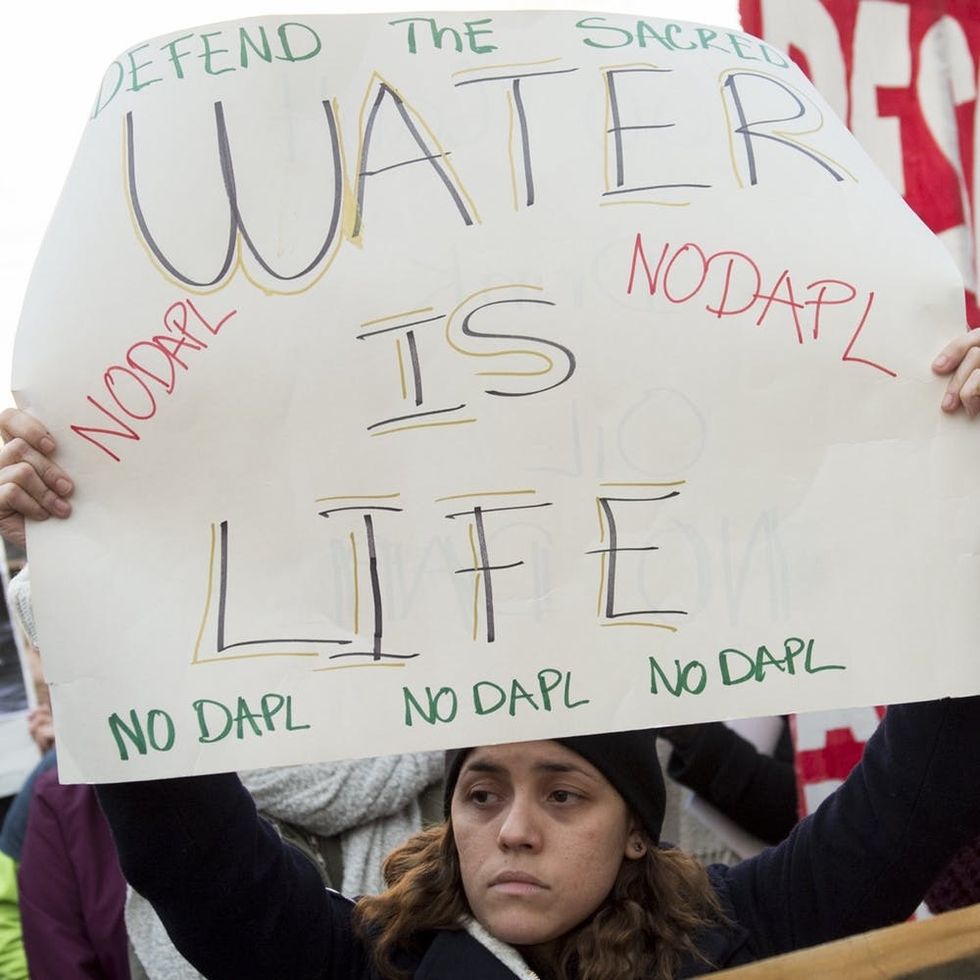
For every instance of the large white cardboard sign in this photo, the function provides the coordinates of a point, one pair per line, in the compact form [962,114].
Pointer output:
[454,378]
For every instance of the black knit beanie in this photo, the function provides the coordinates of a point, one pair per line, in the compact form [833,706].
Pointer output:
[627,759]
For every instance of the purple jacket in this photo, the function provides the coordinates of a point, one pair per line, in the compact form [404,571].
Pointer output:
[72,892]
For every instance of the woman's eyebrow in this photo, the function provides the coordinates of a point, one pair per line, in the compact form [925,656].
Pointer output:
[562,767]
[481,766]
[494,768]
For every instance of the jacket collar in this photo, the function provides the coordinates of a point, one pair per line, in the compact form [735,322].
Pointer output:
[457,953]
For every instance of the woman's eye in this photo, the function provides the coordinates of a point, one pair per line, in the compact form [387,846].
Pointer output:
[481,797]
[564,796]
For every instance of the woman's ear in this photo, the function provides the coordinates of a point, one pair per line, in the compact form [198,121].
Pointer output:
[636,845]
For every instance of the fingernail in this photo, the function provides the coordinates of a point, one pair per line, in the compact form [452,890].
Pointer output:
[47,445]
[63,486]
[61,507]
[949,401]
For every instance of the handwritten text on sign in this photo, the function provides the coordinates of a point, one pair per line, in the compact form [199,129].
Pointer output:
[481,377]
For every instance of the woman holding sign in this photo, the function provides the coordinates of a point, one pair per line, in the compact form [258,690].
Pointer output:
[549,863]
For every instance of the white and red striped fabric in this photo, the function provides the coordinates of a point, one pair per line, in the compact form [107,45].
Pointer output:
[828,745]
[903,75]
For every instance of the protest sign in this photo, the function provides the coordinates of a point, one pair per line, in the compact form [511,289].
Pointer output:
[458,378]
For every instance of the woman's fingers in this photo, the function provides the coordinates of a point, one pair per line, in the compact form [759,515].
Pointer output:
[36,475]
[964,384]
[26,440]
[40,726]
[30,484]
[960,359]
[16,424]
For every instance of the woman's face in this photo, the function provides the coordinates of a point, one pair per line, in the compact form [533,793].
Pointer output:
[541,836]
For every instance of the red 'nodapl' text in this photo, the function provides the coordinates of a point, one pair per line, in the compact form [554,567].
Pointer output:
[152,362]
[734,285]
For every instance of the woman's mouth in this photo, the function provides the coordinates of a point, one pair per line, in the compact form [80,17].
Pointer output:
[516,883]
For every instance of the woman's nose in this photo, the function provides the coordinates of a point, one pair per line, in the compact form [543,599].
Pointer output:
[520,827]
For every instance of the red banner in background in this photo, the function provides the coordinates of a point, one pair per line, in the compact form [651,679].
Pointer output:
[903,74]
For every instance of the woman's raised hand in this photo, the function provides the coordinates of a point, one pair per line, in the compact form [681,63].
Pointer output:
[30,484]
[960,359]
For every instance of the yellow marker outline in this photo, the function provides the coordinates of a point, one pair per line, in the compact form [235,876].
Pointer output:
[477,581]
[602,556]
[357,591]
[486,493]
[320,670]
[398,344]
[514,64]
[602,582]
[207,599]
[358,496]
[630,622]
[510,150]
[666,483]
[659,204]
[499,353]
[377,77]
[510,109]
[401,368]
[420,425]
[353,546]
[604,70]
[397,316]
[204,619]
[255,656]
[238,265]
[602,520]
[784,134]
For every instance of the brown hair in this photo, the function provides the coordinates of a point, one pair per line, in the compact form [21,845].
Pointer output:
[647,923]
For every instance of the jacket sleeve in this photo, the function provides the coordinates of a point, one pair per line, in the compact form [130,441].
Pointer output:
[755,790]
[237,902]
[867,855]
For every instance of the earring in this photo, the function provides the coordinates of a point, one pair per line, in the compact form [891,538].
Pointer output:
[638,846]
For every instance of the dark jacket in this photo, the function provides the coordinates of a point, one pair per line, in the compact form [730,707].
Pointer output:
[239,904]
[755,790]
